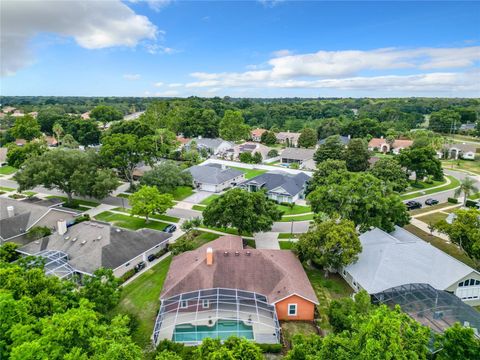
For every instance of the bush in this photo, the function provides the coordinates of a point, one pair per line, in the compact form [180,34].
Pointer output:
[272,153]
[294,166]
[127,275]
[452,200]
[161,253]
[271,348]
[38,232]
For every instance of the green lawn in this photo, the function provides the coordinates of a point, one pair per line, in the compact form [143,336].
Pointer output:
[421,185]
[433,218]
[3,188]
[296,209]
[308,217]
[224,230]
[430,208]
[129,222]
[288,236]
[327,289]
[453,184]
[466,165]
[475,196]
[77,201]
[198,207]
[291,328]
[251,243]
[141,299]
[250,173]
[155,216]
[202,238]
[7,170]
[124,195]
[209,199]
[182,192]
[441,244]
[286,245]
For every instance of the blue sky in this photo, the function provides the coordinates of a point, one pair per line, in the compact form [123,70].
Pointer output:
[249,48]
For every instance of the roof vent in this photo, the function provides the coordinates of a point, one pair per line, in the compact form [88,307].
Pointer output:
[237,253]
[225,253]
[74,239]
[67,237]
[99,237]
[83,242]
[248,253]
[118,230]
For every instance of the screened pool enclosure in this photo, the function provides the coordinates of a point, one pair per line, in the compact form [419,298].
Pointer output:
[217,313]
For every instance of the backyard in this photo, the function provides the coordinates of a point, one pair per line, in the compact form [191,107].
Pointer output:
[202,238]
[249,173]
[433,218]
[141,300]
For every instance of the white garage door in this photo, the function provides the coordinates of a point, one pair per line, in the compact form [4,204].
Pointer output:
[208,187]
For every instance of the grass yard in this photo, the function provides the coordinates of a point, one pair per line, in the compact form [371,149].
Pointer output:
[453,184]
[250,173]
[291,328]
[251,243]
[441,244]
[29,193]
[286,245]
[433,218]
[308,217]
[465,165]
[198,207]
[422,185]
[475,196]
[430,208]
[288,236]
[182,192]
[224,230]
[202,238]
[209,199]
[124,195]
[154,216]
[129,222]
[4,188]
[77,201]
[296,209]
[140,299]
[327,289]
[7,170]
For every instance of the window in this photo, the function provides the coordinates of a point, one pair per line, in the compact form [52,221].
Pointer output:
[292,309]
[184,304]
[205,303]
[469,282]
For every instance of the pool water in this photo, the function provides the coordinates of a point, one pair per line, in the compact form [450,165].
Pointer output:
[222,329]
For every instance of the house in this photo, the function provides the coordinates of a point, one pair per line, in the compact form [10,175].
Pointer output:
[183,140]
[256,134]
[20,142]
[344,139]
[250,147]
[18,217]
[400,258]
[215,177]
[303,157]
[85,115]
[380,144]
[213,146]
[290,139]
[458,151]
[279,186]
[222,289]
[84,247]
[18,113]
[51,141]
[8,109]
[469,127]
[33,114]
[3,155]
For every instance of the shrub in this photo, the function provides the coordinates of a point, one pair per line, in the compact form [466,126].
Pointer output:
[38,232]
[272,153]
[161,253]
[271,348]
[127,275]
[452,200]
[294,166]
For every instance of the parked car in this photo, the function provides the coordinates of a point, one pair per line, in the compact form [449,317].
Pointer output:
[431,202]
[169,229]
[140,266]
[411,205]
[151,257]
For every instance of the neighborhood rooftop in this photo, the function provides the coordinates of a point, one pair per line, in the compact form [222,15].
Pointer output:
[292,184]
[213,173]
[298,154]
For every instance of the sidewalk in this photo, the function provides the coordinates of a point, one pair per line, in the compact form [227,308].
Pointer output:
[421,192]
[422,226]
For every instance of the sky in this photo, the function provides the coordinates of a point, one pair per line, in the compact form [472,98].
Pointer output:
[240,48]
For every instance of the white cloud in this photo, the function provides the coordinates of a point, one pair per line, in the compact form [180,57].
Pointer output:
[160,49]
[132,77]
[158,5]
[92,24]
[175,85]
[158,84]
[280,53]
[270,3]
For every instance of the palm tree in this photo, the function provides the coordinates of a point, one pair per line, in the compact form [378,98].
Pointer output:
[467,187]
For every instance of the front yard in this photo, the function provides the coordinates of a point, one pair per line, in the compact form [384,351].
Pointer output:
[7,170]
[295,210]
[454,182]
[433,218]
[463,165]
[154,216]
[141,300]
[129,222]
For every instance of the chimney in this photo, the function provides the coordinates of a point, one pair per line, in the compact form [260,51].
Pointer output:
[209,256]
[349,137]
[10,211]
[62,226]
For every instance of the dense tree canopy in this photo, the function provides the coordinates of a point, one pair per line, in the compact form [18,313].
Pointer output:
[357,155]
[332,149]
[25,127]
[148,201]
[17,155]
[391,172]
[422,161]
[307,138]
[105,114]
[233,127]
[443,121]
[167,176]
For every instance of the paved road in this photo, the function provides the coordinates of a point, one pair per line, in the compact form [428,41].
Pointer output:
[286,227]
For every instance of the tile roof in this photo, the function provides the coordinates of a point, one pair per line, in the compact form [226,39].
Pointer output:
[463,147]
[257,132]
[274,273]
[212,173]
[378,142]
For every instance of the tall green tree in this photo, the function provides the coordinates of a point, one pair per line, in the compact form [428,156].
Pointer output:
[232,348]
[26,127]
[342,313]
[332,149]
[307,138]
[17,155]
[247,212]
[331,244]
[391,172]
[328,172]
[467,187]
[74,172]
[148,201]
[133,127]
[48,117]
[102,289]
[268,138]
[357,155]
[166,177]
[232,126]
[421,161]
[458,342]
[444,121]
[69,142]
[105,114]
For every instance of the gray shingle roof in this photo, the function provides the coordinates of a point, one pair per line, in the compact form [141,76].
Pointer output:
[105,245]
[209,143]
[390,260]
[297,154]
[211,174]
[292,184]
[344,139]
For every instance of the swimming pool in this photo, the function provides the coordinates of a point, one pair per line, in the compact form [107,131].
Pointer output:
[222,329]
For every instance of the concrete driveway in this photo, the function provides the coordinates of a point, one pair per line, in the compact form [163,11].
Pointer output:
[198,197]
[267,240]
[286,227]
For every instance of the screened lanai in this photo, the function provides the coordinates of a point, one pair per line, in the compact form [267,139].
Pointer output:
[216,313]
[434,308]
[56,263]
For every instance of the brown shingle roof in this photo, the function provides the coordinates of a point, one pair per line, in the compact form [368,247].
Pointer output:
[257,132]
[276,274]
[378,142]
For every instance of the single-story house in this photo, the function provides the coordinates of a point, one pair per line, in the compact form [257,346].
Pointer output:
[33,114]
[380,144]
[215,177]
[344,139]
[399,258]
[182,140]
[250,147]
[213,146]
[290,139]
[458,151]
[85,115]
[18,113]
[303,157]
[83,248]
[256,134]
[20,142]
[18,217]
[223,289]
[469,127]
[279,186]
